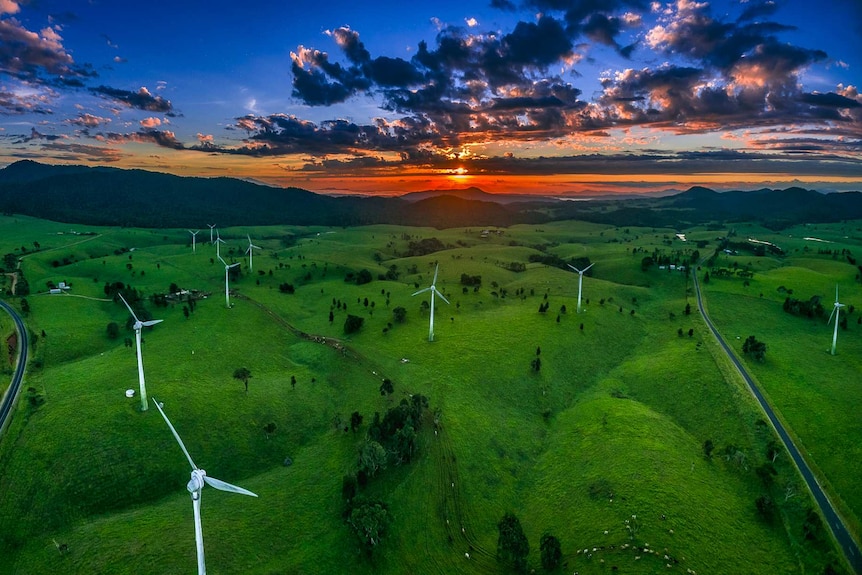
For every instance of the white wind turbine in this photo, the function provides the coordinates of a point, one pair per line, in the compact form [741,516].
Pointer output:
[138,326]
[580,281]
[194,235]
[836,311]
[433,289]
[195,486]
[226,287]
[211,231]
[251,247]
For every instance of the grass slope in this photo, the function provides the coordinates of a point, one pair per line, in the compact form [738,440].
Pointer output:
[619,409]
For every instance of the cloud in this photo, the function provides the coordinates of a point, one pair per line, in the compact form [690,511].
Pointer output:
[88,121]
[26,99]
[151,122]
[141,100]
[163,138]
[36,57]
[9,7]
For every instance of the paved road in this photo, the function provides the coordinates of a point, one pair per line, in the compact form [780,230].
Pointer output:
[836,524]
[11,394]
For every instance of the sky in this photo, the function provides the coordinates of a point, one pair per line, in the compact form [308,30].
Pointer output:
[555,97]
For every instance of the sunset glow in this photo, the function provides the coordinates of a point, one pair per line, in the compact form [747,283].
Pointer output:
[540,97]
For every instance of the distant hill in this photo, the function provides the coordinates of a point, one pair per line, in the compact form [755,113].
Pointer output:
[476,194]
[112,196]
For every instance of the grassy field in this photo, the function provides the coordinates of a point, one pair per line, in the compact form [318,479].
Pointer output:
[809,386]
[611,428]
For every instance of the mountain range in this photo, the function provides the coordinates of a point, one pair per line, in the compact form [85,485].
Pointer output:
[118,197]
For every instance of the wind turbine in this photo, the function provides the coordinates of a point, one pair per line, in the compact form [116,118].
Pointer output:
[138,325]
[195,486]
[836,311]
[251,247]
[211,231]
[194,234]
[226,270]
[433,289]
[580,281]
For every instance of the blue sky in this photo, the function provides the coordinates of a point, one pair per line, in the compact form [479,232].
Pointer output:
[541,96]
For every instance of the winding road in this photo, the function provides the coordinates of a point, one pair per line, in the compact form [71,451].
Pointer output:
[11,394]
[848,545]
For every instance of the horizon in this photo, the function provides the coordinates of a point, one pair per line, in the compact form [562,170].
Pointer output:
[536,97]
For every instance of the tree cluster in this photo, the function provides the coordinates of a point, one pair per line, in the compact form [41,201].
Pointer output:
[754,348]
[811,308]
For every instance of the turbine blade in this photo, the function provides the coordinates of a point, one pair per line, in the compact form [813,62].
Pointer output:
[830,316]
[225,486]
[436,269]
[574,268]
[232,265]
[836,293]
[128,306]
[423,290]
[221,260]
[441,295]
[151,322]
[589,266]
[176,435]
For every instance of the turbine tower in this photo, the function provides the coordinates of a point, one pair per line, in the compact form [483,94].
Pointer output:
[226,287]
[194,235]
[580,281]
[836,311]
[211,231]
[251,247]
[195,486]
[138,326]
[433,289]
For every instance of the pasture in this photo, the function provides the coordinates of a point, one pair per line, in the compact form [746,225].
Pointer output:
[609,429]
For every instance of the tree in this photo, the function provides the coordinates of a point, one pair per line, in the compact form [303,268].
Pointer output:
[269,429]
[293,382]
[549,546]
[708,446]
[765,508]
[186,311]
[687,309]
[372,457]
[512,544]
[399,314]
[348,487]
[355,421]
[536,364]
[25,309]
[353,323]
[242,374]
[113,330]
[369,521]
[386,388]
[757,349]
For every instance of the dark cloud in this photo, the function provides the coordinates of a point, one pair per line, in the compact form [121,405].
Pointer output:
[506,5]
[36,135]
[538,44]
[141,100]
[830,100]
[282,134]
[37,57]
[14,103]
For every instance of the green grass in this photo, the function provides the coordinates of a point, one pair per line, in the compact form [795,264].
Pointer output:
[622,404]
